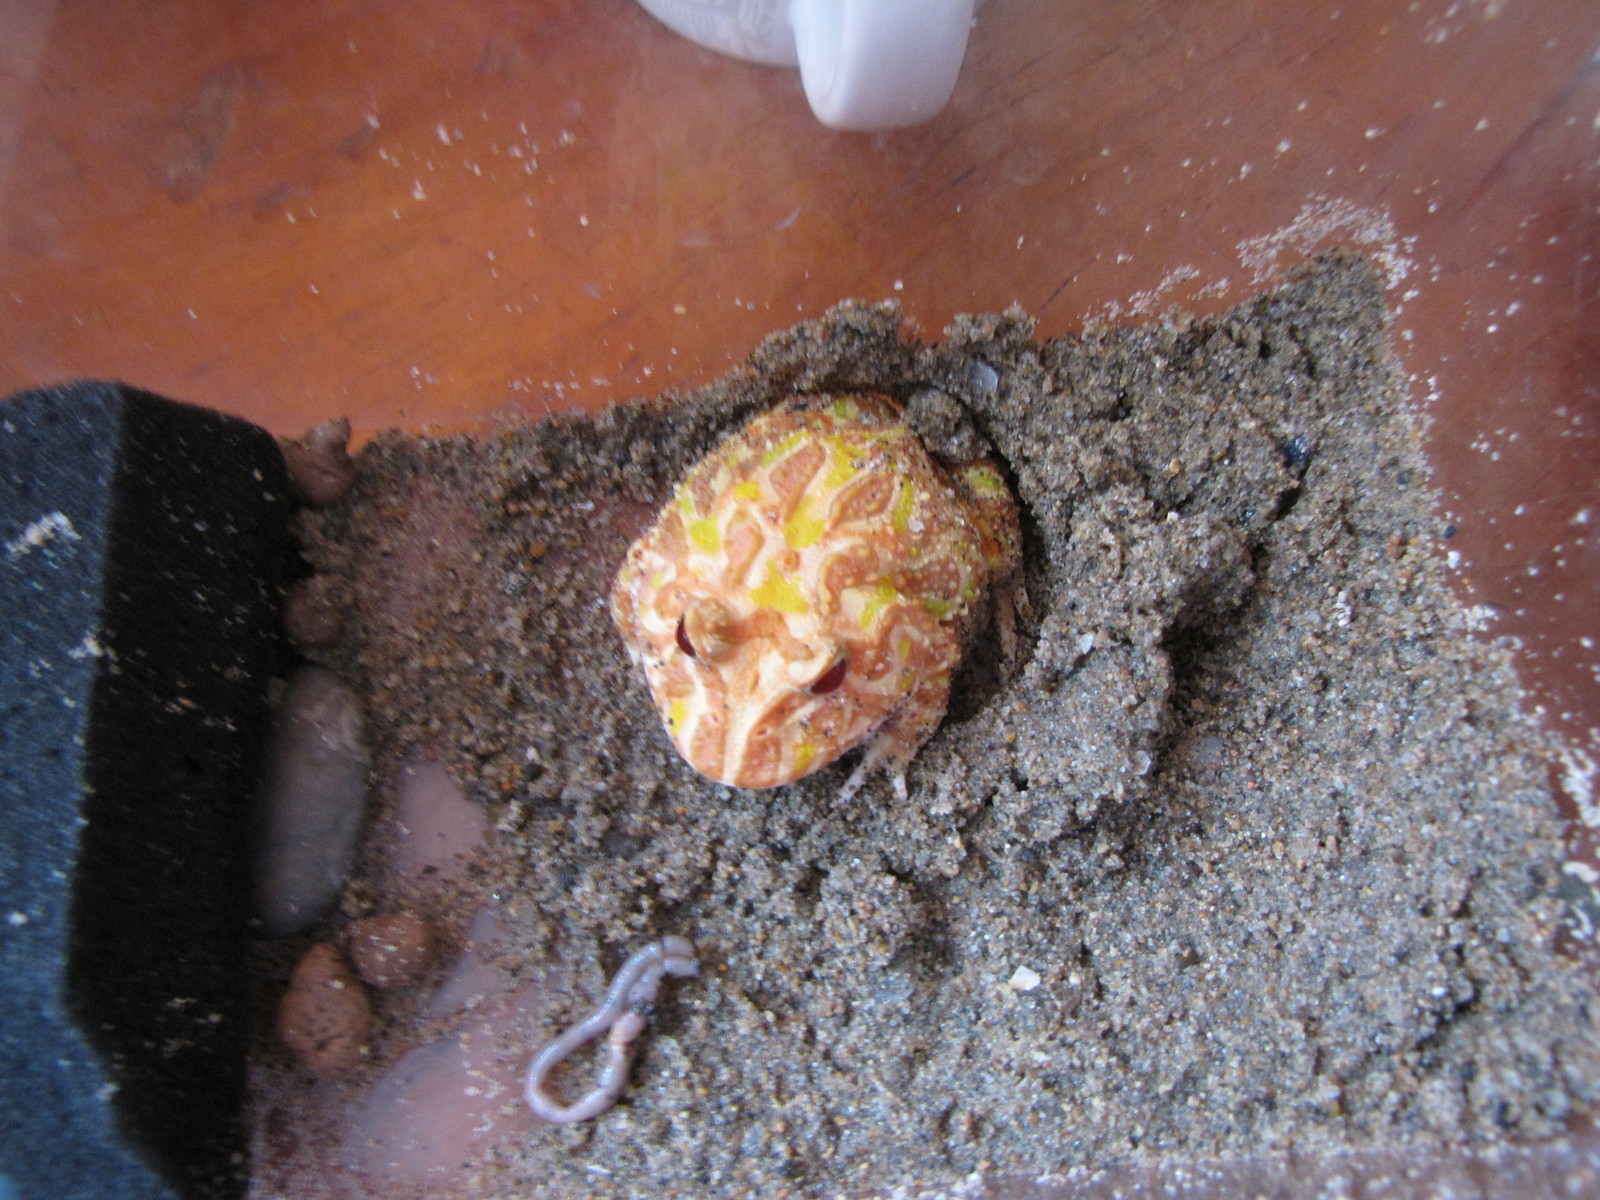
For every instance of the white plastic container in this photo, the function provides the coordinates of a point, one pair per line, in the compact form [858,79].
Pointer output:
[865,64]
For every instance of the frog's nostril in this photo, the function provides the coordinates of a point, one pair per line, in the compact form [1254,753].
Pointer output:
[684,643]
[830,679]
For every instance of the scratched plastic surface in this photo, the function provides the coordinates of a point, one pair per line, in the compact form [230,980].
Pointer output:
[448,214]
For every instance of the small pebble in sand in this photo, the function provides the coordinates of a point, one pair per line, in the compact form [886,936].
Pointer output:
[321,470]
[324,1017]
[313,801]
[391,950]
[623,1017]
[1024,979]
[313,612]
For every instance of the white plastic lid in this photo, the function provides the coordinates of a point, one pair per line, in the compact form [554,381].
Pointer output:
[879,64]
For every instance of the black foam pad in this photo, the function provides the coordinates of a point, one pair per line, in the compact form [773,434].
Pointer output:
[142,544]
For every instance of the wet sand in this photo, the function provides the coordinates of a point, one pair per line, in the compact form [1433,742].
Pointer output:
[1252,803]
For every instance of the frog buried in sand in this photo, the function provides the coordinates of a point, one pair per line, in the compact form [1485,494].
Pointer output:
[810,588]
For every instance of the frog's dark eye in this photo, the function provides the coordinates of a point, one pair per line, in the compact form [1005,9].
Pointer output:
[684,643]
[830,679]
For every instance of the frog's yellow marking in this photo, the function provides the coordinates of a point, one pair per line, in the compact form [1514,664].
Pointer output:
[879,597]
[781,451]
[902,508]
[741,709]
[986,482]
[805,526]
[804,755]
[780,593]
[841,469]
[705,535]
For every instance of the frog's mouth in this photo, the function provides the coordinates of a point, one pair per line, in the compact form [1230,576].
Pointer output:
[757,703]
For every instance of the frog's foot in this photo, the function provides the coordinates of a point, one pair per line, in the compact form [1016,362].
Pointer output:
[901,735]
[864,769]
[1011,603]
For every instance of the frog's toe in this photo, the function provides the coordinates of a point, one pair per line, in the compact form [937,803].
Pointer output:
[858,777]
[863,771]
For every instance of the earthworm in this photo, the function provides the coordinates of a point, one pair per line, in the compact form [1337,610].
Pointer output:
[624,1012]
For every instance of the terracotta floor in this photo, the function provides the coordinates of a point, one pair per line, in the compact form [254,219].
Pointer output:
[443,214]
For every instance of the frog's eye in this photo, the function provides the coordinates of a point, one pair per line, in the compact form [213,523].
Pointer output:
[705,630]
[831,679]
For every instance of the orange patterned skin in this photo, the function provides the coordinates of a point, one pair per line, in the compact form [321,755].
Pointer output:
[808,589]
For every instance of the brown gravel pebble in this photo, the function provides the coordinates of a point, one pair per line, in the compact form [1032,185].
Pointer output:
[325,1017]
[321,470]
[390,950]
[313,612]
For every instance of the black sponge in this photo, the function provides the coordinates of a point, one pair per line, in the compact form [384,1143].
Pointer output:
[141,552]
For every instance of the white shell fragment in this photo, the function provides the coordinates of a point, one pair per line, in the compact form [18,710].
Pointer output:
[1024,979]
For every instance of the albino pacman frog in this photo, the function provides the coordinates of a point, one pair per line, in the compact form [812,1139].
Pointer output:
[809,589]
